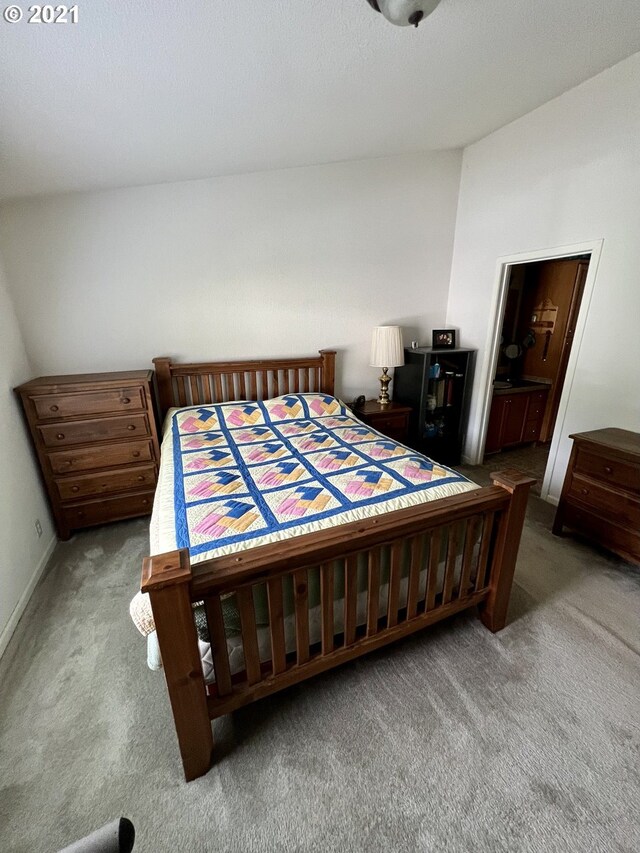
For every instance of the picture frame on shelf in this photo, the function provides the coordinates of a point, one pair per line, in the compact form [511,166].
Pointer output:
[443,339]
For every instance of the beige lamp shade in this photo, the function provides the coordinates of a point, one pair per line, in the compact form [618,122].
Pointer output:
[386,347]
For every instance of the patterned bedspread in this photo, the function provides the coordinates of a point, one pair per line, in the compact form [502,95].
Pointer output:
[238,475]
[300,462]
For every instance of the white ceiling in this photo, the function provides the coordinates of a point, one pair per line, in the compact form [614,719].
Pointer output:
[146,91]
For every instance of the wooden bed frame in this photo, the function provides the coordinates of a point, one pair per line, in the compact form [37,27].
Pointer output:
[492,516]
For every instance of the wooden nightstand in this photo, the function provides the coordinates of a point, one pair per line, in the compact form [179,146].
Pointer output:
[392,420]
[97,444]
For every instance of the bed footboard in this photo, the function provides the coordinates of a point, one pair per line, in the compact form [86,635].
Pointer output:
[397,573]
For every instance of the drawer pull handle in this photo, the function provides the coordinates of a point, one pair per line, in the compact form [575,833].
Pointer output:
[81,515]
[54,408]
[75,488]
[135,454]
[60,435]
[608,469]
[125,400]
[584,491]
[141,478]
[145,501]
[131,427]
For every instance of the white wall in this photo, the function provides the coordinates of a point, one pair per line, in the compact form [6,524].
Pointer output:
[268,264]
[22,554]
[567,173]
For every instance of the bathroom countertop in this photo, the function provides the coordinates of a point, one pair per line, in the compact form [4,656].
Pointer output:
[521,387]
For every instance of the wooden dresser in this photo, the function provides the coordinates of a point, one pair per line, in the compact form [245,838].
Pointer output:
[392,420]
[96,440]
[601,493]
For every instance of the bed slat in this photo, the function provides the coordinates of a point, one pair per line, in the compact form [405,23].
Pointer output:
[450,565]
[242,389]
[373,598]
[326,603]
[301,603]
[207,383]
[218,383]
[417,560]
[394,584]
[249,634]
[432,569]
[350,599]
[195,391]
[229,390]
[470,537]
[276,625]
[218,640]
[485,544]
[182,397]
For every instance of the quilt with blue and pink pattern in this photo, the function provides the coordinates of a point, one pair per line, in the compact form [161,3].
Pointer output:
[247,473]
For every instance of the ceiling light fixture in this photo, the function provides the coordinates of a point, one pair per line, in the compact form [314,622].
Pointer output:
[404,13]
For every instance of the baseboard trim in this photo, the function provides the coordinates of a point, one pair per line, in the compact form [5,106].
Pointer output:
[20,607]
[550,499]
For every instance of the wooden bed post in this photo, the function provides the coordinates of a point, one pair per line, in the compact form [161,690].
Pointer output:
[166,578]
[163,380]
[493,610]
[328,357]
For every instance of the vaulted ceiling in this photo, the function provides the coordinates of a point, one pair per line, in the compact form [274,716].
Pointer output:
[141,91]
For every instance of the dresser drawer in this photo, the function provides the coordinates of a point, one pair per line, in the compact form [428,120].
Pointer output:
[619,539]
[606,502]
[608,470]
[108,482]
[387,423]
[531,431]
[537,405]
[55,406]
[85,432]
[107,509]
[396,434]
[100,456]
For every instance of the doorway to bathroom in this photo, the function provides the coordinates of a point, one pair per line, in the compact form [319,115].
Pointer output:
[540,310]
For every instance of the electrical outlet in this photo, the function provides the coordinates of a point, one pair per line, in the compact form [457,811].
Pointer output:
[38,527]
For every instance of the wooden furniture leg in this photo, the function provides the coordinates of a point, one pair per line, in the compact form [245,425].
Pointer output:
[493,610]
[166,578]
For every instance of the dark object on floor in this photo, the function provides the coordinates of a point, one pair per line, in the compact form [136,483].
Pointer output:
[115,837]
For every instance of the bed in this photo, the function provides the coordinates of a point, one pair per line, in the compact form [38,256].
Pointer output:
[287,537]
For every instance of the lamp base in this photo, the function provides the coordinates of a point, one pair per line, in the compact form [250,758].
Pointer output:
[385,379]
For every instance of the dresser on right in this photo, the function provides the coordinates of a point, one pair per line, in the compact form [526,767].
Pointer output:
[601,493]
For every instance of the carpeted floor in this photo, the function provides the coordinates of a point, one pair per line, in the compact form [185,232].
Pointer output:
[453,740]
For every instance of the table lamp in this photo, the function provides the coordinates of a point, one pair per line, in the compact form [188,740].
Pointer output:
[386,352]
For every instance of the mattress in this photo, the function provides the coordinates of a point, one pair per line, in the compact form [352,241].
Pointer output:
[238,475]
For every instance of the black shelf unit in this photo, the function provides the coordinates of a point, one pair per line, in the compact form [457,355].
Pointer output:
[436,383]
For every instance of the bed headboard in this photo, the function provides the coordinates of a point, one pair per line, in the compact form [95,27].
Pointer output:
[222,381]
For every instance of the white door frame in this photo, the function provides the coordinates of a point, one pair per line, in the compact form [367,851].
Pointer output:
[594,249]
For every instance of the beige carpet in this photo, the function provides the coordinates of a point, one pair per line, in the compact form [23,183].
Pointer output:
[454,740]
